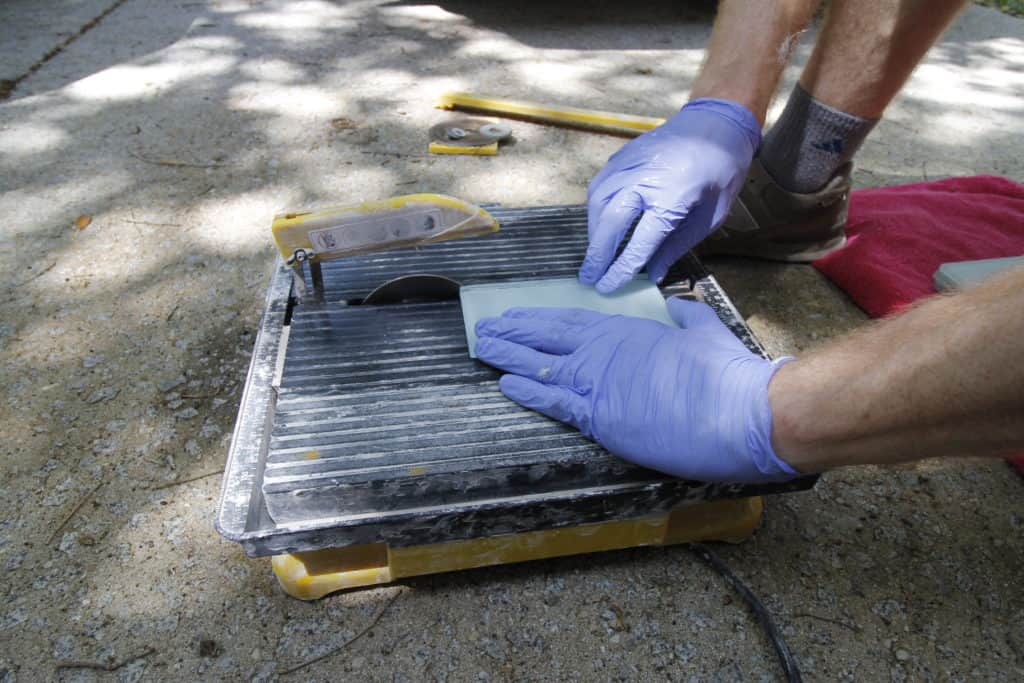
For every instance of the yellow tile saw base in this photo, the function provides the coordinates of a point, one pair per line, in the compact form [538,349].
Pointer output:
[312,575]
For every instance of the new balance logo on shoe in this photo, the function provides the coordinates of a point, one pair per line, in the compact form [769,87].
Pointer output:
[835,146]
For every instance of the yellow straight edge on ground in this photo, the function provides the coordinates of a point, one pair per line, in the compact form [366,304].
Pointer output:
[591,119]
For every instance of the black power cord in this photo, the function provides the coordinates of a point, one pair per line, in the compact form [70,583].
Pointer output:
[789,665]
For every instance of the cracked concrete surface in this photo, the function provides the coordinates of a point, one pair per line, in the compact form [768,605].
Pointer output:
[180,127]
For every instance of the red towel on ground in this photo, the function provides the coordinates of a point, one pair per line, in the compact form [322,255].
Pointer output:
[898,237]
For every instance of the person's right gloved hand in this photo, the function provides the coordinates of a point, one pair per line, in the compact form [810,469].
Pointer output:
[679,179]
[691,402]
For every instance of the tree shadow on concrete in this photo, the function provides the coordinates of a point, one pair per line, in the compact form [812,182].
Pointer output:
[181,156]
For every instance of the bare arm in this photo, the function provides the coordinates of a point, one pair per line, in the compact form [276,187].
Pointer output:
[749,47]
[945,378]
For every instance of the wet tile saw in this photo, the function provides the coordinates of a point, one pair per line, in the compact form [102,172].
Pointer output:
[369,446]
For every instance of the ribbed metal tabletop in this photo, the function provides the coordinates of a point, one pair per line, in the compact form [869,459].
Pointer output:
[370,423]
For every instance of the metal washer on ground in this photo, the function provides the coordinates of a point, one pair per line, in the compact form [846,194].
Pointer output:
[469,132]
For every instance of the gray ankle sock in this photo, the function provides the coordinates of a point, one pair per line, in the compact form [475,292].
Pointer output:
[810,141]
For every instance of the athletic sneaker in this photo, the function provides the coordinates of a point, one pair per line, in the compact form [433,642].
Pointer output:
[771,223]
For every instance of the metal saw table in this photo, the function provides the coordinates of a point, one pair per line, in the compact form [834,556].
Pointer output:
[369,446]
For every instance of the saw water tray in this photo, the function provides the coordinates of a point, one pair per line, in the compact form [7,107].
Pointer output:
[364,422]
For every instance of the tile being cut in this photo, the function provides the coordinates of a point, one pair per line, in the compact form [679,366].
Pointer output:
[639,298]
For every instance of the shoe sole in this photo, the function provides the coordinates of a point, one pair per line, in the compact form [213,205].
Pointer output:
[784,254]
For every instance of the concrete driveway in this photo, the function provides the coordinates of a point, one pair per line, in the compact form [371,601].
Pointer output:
[172,131]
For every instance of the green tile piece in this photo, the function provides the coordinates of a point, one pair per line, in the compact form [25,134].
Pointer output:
[951,277]
[640,298]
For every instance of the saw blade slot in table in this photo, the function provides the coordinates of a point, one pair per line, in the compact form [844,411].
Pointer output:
[370,423]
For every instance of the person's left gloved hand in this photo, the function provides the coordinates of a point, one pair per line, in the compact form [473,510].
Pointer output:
[691,402]
[677,180]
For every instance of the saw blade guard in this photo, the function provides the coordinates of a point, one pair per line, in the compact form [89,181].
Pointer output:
[406,221]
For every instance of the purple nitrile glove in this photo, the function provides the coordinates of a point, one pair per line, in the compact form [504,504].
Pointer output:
[691,402]
[678,179]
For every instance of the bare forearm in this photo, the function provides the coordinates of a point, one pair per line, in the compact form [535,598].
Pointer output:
[749,47]
[945,378]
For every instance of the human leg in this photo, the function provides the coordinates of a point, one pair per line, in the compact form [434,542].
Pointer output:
[793,205]
[865,52]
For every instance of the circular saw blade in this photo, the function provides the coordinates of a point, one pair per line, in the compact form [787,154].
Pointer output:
[469,132]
